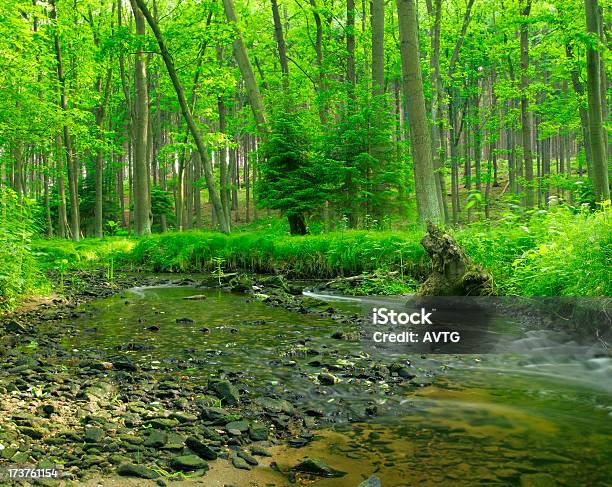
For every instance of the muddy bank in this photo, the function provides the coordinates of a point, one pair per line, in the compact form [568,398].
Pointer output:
[101,412]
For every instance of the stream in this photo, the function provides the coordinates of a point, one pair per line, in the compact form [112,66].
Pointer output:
[538,414]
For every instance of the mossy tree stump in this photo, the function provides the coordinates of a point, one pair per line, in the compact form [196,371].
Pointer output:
[453,273]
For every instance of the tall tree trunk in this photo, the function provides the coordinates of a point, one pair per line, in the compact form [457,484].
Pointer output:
[178,88]
[142,210]
[525,120]
[377,16]
[242,58]
[280,43]
[71,165]
[596,130]
[425,183]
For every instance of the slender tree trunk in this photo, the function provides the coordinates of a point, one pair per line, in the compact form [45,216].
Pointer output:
[525,120]
[425,183]
[142,210]
[242,58]
[178,88]
[280,43]
[71,165]
[601,186]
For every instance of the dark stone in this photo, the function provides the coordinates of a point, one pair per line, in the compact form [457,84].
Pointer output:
[247,458]
[157,439]
[163,423]
[406,373]
[317,467]
[241,426]
[226,391]
[259,451]
[201,449]
[258,432]
[131,470]
[93,434]
[33,433]
[240,463]
[213,414]
[189,462]
[328,379]
[185,320]
[15,327]
[124,364]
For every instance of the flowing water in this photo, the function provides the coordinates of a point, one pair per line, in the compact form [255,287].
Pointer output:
[538,414]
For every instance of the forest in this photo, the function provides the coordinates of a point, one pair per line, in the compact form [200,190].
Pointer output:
[177,175]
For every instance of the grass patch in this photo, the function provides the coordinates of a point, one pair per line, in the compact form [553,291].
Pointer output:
[310,256]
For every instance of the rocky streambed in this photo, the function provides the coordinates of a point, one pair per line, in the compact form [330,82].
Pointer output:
[158,388]
[244,381]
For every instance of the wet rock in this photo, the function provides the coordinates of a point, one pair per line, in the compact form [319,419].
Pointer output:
[247,458]
[201,449]
[373,481]
[139,471]
[48,409]
[226,391]
[258,432]
[338,335]
[406,373]
[93,434]
[163,423]
[241,426]
[213,414]
[184,417]
[260,451]
[315,466]
[156,439]
[188,462]
[175,442]
[34,433]
[153,328]
[15,327]
[211,434]
[124,364]
[275,405]
[240,463]
[185,320]
[328,379]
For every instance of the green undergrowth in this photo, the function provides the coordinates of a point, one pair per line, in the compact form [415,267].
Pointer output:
[560,252]
[91,253]
[311,256]
[19,273]
[556,252]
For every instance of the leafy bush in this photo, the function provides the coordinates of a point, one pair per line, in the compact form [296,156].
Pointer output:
[18,271]
[560,252]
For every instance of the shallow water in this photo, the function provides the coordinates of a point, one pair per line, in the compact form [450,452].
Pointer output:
[538,414]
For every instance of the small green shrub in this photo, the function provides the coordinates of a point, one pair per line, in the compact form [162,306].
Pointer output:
[19,274]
